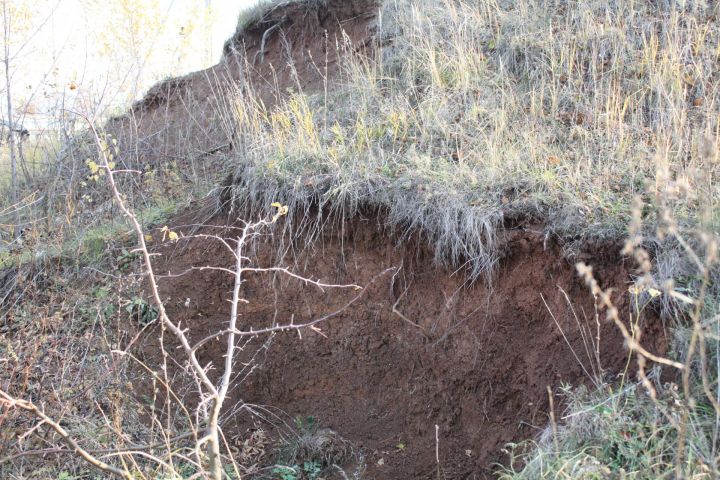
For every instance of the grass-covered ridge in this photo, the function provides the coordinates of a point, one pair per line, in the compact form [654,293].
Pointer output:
[263,8]
[475,112]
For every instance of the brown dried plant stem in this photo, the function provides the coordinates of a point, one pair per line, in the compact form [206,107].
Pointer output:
[11,402]
[215,462]
[586,273]
[102,451]
[11,133]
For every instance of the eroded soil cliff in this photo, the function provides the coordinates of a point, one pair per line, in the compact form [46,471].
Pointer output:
[418,347]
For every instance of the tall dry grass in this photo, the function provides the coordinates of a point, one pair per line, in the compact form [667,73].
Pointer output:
[471,114]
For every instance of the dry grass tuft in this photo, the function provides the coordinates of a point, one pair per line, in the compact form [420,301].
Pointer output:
[474,114]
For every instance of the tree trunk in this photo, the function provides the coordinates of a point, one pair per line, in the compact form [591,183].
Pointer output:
[11,133]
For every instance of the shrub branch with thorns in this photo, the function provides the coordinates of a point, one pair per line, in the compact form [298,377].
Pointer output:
[213,393]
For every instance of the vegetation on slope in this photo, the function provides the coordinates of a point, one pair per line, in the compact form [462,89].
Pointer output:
[475,113]
[588,117]
[472,115]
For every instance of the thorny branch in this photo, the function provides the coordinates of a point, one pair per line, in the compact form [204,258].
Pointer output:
[215,393]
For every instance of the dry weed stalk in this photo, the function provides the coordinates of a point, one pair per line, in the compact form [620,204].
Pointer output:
[702,251]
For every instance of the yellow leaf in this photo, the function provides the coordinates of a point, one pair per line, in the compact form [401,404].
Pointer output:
[654,292]
[282,210]
[111,165]
[172,236]
[148,238]
[92,166]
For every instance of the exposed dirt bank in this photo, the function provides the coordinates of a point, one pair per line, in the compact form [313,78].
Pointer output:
[419,348]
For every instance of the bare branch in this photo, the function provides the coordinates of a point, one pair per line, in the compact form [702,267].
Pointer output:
[12,402]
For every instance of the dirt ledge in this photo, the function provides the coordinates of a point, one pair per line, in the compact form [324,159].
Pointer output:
[476,360]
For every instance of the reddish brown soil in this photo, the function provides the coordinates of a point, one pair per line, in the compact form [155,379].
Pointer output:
[475,360]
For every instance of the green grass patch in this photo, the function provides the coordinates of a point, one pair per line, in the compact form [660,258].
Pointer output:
[609,433]
[94,244]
